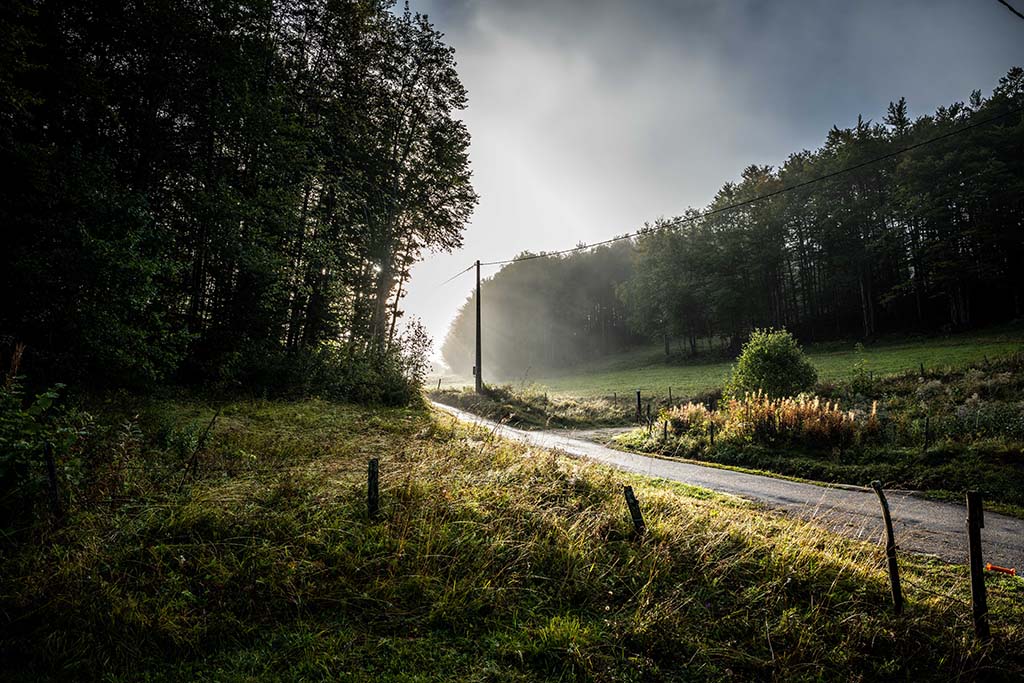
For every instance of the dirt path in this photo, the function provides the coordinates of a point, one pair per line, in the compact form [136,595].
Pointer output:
[923,526]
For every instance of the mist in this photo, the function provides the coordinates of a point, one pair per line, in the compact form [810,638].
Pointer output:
[589,119]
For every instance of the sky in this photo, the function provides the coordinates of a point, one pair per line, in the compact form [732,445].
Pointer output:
[589,118]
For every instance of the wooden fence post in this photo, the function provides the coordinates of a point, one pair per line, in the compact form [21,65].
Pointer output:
[51,478]
[890,550]
[979,602]
[664,431]
[439,384]
[639,412]
[373,488]
[634,510]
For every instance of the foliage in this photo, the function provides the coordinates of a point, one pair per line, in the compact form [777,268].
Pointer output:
[528,406]
[771,362]
[216,192]
[955,429]
[490,561]
[544,313]
[31,428]
[804,421]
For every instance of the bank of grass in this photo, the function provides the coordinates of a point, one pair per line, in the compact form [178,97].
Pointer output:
[950,430]
[533,408]
[489,562]
[646,369]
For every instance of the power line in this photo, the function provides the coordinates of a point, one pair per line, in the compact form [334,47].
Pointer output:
[1010,7]
[471,265]
[738,205]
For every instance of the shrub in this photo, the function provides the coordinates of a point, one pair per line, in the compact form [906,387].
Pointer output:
[802,421]
[29,427]
[690,418]
[771,362]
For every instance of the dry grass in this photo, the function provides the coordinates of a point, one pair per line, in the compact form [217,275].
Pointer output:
[490,562]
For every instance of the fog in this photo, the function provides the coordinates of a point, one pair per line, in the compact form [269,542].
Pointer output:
[590,118]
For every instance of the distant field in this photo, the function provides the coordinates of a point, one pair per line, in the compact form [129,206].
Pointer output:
[644,369]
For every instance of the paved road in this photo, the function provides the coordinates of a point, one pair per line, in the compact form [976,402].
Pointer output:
[923,526]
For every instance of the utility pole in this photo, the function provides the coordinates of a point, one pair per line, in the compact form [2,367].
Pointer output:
[478,372]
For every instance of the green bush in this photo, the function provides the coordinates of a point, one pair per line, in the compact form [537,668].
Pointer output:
[772,362]
[29,427]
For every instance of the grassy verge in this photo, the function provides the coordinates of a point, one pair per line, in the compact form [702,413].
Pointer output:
[489,562]
[948,431]
[532,408]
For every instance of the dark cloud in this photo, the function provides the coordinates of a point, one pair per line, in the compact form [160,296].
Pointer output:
[589,118]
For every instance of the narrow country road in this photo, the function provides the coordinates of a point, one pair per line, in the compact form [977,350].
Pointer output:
[921,525]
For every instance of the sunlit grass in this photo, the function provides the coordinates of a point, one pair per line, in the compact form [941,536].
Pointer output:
[645,369]
[490,561]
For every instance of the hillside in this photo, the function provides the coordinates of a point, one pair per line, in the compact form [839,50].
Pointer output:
[646,368]
[489,562]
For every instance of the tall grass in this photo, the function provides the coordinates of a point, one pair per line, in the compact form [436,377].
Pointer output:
[491,561]
[804,420]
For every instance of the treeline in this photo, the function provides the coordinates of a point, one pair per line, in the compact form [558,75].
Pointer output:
[229,191]
[546,312]
[928,240]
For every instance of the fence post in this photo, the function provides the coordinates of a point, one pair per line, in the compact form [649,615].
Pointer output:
[634,510]
[890,550]
[979,602]
[373,488]
[439,384]
[639,412]
[51,478]
[664,431]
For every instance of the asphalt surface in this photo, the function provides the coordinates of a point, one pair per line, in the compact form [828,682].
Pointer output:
[921,525]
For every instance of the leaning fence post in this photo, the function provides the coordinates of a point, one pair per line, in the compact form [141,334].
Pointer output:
[979,602]
[373,488]
[890,550]
[51,477]
[634,510]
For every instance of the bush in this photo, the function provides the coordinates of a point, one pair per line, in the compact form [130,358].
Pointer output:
[31,426]
[804,421]
[771,362]
[331,370]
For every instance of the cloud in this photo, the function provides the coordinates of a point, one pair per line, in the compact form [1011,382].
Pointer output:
[590,118]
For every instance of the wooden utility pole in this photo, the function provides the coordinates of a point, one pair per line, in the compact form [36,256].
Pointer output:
[478,372]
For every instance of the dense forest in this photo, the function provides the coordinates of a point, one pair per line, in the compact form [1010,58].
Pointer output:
[228,192]
[927,240]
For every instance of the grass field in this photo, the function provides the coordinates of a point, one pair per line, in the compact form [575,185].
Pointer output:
[646,370]
[489,562]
